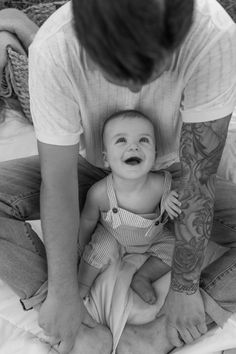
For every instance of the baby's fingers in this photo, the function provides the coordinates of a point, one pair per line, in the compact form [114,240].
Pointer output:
[174,194]
[177,209]
[175,201]
[172,214]
[172,206]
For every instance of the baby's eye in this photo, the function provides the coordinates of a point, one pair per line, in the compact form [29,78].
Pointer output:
[121,140]
[144,139]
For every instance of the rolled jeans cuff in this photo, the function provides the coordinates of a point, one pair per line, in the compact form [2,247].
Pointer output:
[37,299]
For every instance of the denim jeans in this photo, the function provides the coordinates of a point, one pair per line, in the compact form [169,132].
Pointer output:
[23,264]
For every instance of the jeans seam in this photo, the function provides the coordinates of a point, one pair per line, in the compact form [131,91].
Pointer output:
[32,241]
[225,225]
[19,198]
[212,283]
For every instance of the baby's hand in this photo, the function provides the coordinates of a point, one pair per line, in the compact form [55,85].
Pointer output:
[172,205]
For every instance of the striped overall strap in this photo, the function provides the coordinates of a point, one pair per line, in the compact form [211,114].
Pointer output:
[111,193]
[166,189]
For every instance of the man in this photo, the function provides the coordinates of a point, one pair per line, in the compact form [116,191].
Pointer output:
[174,62]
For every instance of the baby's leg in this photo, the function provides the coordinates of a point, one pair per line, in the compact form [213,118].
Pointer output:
[102,250]
[142,280]
[86,277]
[154,267]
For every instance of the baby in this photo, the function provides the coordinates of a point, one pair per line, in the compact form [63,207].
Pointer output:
[126,211]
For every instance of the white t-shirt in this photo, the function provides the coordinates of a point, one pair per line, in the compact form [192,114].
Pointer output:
[70,101]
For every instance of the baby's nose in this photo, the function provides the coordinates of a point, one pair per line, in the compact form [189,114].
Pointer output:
[134,147]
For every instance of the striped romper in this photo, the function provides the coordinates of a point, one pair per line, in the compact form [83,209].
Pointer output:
[120,231]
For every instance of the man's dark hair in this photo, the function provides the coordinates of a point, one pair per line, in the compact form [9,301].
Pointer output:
[129,38]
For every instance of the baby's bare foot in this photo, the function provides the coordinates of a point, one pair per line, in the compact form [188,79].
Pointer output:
[144,288]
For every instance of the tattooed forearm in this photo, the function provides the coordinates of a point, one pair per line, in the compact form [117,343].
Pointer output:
[201,147]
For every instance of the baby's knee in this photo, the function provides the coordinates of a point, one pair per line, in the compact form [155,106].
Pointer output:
[100,254]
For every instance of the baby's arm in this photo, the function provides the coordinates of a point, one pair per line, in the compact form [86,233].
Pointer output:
[89,216]
[172,204]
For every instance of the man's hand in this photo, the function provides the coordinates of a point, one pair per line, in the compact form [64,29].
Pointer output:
[60,317]
[185,317]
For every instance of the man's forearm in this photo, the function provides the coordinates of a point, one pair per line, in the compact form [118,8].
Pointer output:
[192,230]
[60,223]
[201,148]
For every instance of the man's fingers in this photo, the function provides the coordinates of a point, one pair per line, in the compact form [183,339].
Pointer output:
[202,328]
[194,332]
[186,336]
[65,346]
[173,337]
[53,340]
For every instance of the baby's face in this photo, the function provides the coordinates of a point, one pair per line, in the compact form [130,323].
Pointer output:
[129,146]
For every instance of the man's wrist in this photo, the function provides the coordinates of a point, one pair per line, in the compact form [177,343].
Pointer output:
[186,289]
[69,284]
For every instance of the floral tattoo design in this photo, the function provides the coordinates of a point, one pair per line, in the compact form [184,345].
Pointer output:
[201,147]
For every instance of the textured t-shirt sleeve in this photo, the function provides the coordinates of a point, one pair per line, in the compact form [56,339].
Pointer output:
[55,111]
[210,91]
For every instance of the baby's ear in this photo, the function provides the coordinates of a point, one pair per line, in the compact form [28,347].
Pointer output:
[106,163]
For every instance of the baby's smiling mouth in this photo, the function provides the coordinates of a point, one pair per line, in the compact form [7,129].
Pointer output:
[133,160]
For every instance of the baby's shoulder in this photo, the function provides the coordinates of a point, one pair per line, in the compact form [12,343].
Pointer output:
[98,190]
[98,194]
[157,178]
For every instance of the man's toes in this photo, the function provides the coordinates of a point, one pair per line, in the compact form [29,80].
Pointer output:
[93,340]
[104,337]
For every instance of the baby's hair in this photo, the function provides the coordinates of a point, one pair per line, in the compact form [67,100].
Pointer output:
[131,113]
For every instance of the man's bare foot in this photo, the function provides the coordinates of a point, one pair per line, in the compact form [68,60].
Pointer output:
[95,340]
[143,287]
[149,338]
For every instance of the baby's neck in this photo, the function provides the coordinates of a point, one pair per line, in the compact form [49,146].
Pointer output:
[135,195]
[126,185]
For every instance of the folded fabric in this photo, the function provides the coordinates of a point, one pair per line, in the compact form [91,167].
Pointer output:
[7,40]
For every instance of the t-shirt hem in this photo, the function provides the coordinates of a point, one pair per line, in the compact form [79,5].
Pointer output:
[197,116]
[58,140]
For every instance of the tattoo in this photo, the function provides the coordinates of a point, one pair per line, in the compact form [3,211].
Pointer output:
[201,148]
[189,290]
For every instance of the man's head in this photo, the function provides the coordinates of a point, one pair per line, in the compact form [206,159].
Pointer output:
[130,40]
[129,144]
